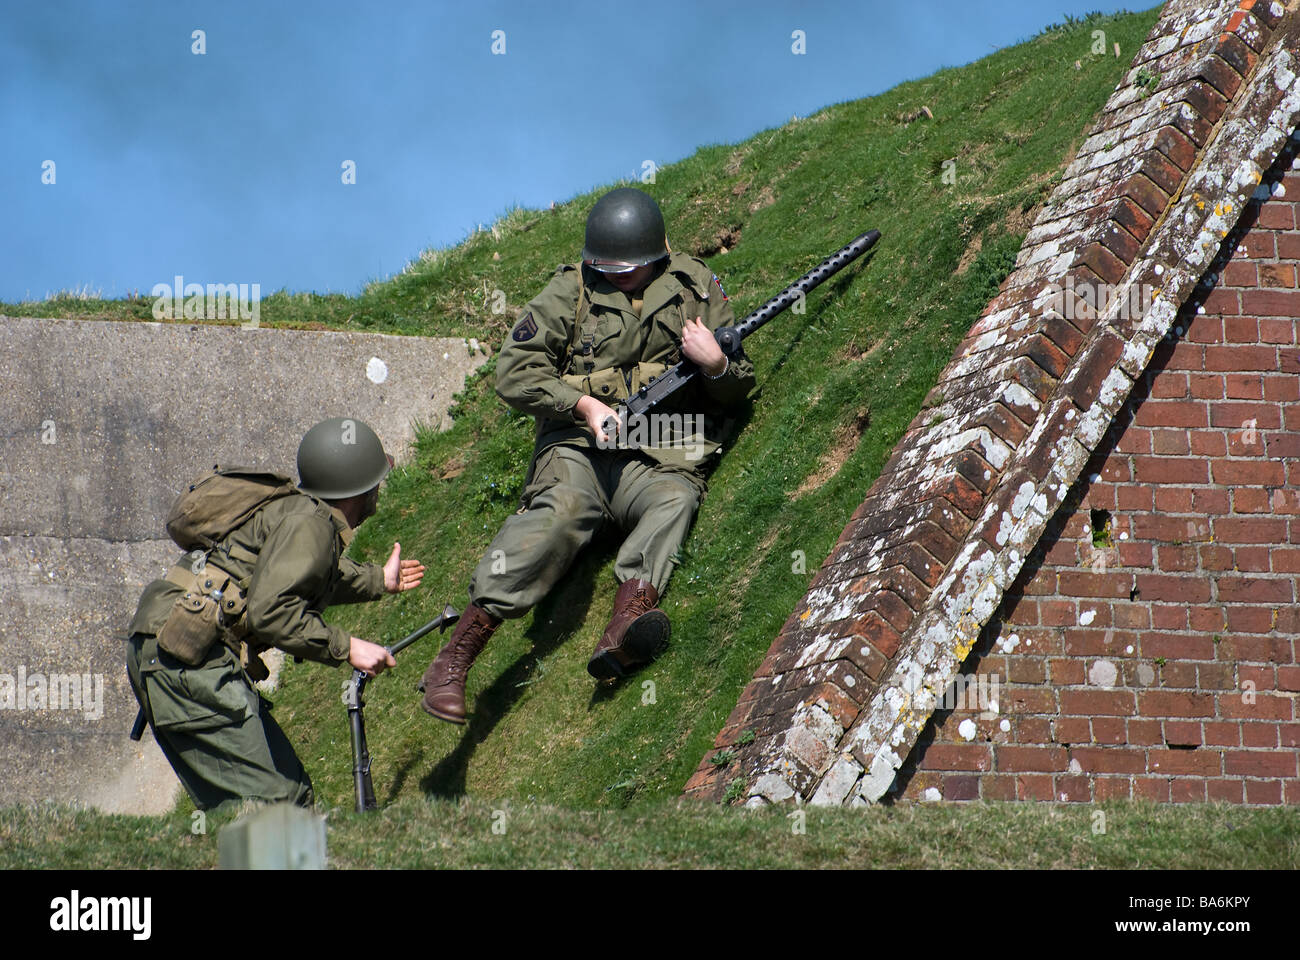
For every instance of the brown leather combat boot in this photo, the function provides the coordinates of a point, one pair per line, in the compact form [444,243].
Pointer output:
[637,632]
[444,682]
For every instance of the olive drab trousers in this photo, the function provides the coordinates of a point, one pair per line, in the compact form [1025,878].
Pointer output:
[214,728]
[573,492]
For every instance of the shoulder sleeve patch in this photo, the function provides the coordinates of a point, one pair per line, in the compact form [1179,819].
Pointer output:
[720,289]
[525,329]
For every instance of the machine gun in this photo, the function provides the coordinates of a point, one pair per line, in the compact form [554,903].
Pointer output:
[354,688]
[729,338]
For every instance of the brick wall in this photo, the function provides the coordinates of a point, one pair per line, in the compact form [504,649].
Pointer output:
[850,683]
[1150,646]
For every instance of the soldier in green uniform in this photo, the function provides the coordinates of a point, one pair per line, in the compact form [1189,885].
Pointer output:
[282,567]
[599,330]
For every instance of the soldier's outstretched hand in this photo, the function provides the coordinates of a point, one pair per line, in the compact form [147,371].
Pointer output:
[402,574]
[369,658]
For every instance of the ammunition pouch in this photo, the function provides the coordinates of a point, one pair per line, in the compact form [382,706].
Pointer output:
[211,609]
[614,383]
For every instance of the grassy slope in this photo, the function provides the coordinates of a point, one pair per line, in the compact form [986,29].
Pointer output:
[871,344]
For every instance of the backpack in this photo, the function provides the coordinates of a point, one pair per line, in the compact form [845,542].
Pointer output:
[221,501]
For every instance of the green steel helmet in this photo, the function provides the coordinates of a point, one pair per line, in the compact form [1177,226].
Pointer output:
[625,230]
[339,458]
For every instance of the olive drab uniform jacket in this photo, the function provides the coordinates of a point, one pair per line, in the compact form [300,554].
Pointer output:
[288,562]
[582,335]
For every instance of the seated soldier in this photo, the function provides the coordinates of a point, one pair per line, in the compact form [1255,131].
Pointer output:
[599,331]
[192,656]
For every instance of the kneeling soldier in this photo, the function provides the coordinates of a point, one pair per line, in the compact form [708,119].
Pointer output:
[598,332]
[271,560]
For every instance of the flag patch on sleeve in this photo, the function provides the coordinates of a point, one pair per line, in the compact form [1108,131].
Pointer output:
[720,289]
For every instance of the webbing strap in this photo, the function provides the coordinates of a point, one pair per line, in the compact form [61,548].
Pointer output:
[582,340]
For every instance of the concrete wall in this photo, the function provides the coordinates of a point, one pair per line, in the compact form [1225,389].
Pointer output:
[101,424]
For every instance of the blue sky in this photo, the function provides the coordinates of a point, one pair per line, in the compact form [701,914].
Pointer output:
[226,166]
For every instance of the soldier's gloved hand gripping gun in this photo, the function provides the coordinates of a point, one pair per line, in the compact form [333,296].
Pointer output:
[729,338]
[353,689]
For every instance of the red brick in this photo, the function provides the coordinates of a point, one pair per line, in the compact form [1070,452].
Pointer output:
[1206,386]
[1163,174]
[1222,302]
[1259,735]
[1182,558]
[1209,444]
[1210,502]
[1187,791]
[1132,218]
[1186,763]
[1171,413]
[958,756]
[1167,703]
[1260,763]
[1251,500]
[1240,274]
[1277,274]
[1145,193]
[1112,788]
[1131,499]
[1220,75]
[1249,619]
[1073,789]
[1215,676]
[1222,733]
[1246,416]
[1168,617]
[1259,245]
[1263,791]
[1274,330]
[1097,702]
[1255,590]
[1145,732]
[1258,473]
[1171,645]
[1033,730]
[1173,589]
[1109,730]
[1029,700]
[1170,442]
[1021,759]
[961,788]
[1110,760]
[1034,786]
[1067,672]
[1151,788]
[1267,706]
[1288,246]
[1223,791]
[1183,733]
[1276,215]
[1078,583]
[997,787]
[1242,386]
[1270,303]
[1241,329]
[1073,729]
[1250,530]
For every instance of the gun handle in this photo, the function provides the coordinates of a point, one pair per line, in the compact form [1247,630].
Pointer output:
[728,339]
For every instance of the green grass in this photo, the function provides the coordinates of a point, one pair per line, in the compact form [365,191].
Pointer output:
[682,833]
[868,349]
